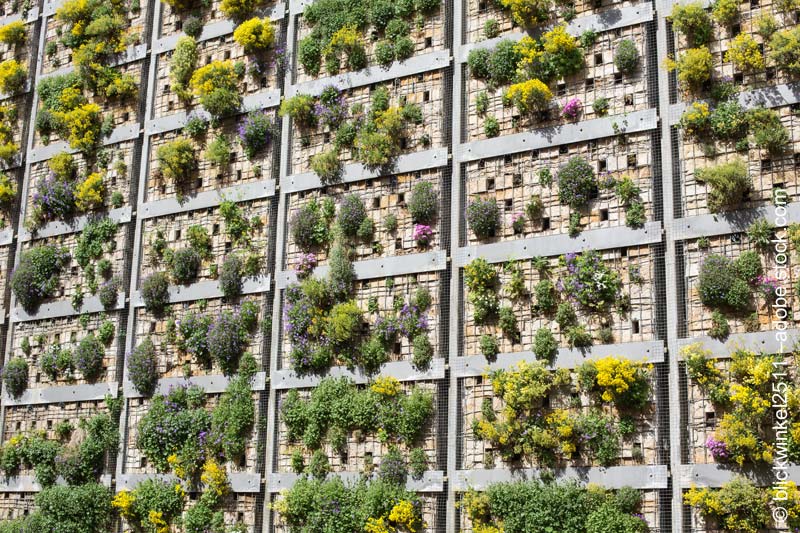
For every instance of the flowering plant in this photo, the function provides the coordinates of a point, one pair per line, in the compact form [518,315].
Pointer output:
[717,448]
[255,132]
[306,265]
[767,286]
[422,234]
[572,108]
[589,281]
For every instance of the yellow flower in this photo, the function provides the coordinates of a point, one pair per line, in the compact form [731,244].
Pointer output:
[529,96]
[404,515]
[123,501]
[89,193]
[255,35]
[386,386]
[215,477]
[156,519]
[378,525]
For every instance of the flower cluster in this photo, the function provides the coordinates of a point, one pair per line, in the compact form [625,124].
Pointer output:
[255,132]
[589,281]
[572,109]
[306,265]
[422,234]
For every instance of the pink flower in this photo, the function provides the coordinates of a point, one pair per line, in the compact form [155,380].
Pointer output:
[572,108]
[422,234]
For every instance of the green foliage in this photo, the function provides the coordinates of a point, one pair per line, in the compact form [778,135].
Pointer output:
[155,292]
[310,225]
[725,12]
[785,50]
[424,203]
[422,351]
[483,217]
[577,183]
[726,283]
[36,276]
[491,127]
[694,68]
[218,151]
[626,56]
[692,21]
[327,166]
[15,376]
[185,265]
[177,160]
[76,509]
[183,64]
[768,131]
[545,345]
[307,505]
[489,348]
[729,182]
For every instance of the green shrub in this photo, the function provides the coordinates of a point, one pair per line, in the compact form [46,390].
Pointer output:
[725,12]
[491,127]
[417,463]
[545,345]
[218,151]
[327,165]
[424,203]
[185,265]
[728,121]
[36,276]
[352,213]
[489,347]
[15,376]
[142,367]
[183,64]
[692,21]
[501,63]
[729,183]
[626,56]
[300,108]
[577,183]
[694,68]
[785,50]
[422,352]
[768,131]
[177,160]
[483,217]
[760,233]
[155,292]
[88,358]
[75,509]
[230,277]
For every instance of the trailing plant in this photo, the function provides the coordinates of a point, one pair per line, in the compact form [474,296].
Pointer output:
[694,68]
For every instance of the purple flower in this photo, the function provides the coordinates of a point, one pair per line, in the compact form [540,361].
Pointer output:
[718,449]
[572,108]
